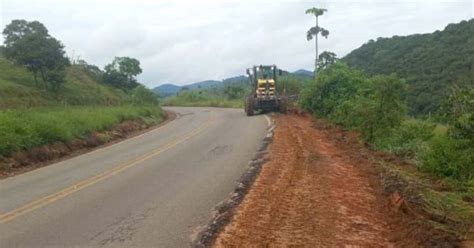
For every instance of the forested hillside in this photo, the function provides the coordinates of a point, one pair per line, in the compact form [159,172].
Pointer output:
[430,63]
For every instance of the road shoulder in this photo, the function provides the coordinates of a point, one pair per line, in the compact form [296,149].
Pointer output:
[319,189]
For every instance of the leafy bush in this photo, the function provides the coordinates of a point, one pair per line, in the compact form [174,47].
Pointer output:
[24,129]
[292,84]
[452,155]
[234,92]
[408,139]
[379,106]
[449,157]
[461,114]
[333,87]
[372,106]
[143,96]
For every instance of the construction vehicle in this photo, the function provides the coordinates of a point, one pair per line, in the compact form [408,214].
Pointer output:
[264,95]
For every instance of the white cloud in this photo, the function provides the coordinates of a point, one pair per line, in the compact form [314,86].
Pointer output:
[185,41]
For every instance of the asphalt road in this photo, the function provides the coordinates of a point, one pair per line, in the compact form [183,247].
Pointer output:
[152,190]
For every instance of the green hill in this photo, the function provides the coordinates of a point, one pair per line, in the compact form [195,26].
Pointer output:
[31,116]
[429,62]
[18,89]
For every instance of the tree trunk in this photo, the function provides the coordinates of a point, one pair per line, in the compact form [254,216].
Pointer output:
[316,43]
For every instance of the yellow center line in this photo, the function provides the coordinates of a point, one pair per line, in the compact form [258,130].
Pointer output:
[6,217]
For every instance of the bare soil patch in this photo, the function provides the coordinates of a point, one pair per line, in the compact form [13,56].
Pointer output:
[322,188]
[24,161]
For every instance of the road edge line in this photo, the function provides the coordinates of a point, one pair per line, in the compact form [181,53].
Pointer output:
[58,195]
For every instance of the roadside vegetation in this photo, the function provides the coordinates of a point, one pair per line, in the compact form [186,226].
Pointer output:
[23,129]
[374,106]
[18,89]
[190,98]
[48,98]
[442,155]
[411,98]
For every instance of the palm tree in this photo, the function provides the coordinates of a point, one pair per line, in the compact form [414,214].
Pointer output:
[314,31]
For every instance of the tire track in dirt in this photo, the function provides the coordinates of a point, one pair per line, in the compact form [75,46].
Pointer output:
[310,193]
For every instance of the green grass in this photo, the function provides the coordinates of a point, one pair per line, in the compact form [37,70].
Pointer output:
[440,129]
[32,116]
[202,99]
[22,129]
[19,90]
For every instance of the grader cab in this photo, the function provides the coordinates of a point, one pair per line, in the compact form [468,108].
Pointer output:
[264,95]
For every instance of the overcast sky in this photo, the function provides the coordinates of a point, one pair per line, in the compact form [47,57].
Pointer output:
[188,41]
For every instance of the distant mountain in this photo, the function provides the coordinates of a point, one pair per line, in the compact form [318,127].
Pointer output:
[165,90]
[203,84]
[303,72]
[236,80]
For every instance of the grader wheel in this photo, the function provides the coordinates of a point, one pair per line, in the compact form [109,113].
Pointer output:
[249,106]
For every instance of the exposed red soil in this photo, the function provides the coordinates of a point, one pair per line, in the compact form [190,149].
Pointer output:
[317,190]
[37,157]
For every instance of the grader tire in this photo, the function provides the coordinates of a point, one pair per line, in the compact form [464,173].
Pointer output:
[249,106]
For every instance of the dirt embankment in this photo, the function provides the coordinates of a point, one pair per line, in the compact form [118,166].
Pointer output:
[23,161]
[320,189]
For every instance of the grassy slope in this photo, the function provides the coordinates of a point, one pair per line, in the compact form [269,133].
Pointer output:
[18,89]
[444,204]
[31,116]
[24,129]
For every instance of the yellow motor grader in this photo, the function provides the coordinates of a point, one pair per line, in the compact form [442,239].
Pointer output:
[264,95]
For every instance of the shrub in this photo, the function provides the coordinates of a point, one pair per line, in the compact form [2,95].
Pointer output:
[408,139]
[372,106]
[380,106]
[333,86]
[449,157]
[143,96]
[452,155]
[292,84]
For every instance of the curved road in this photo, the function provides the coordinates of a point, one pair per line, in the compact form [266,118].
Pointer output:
[152,190]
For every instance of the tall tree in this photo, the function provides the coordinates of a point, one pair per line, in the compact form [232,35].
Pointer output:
[326,59]
[314,31]
[122,71]
[29,44]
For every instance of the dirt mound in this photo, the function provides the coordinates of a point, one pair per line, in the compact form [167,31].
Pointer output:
[321,189]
